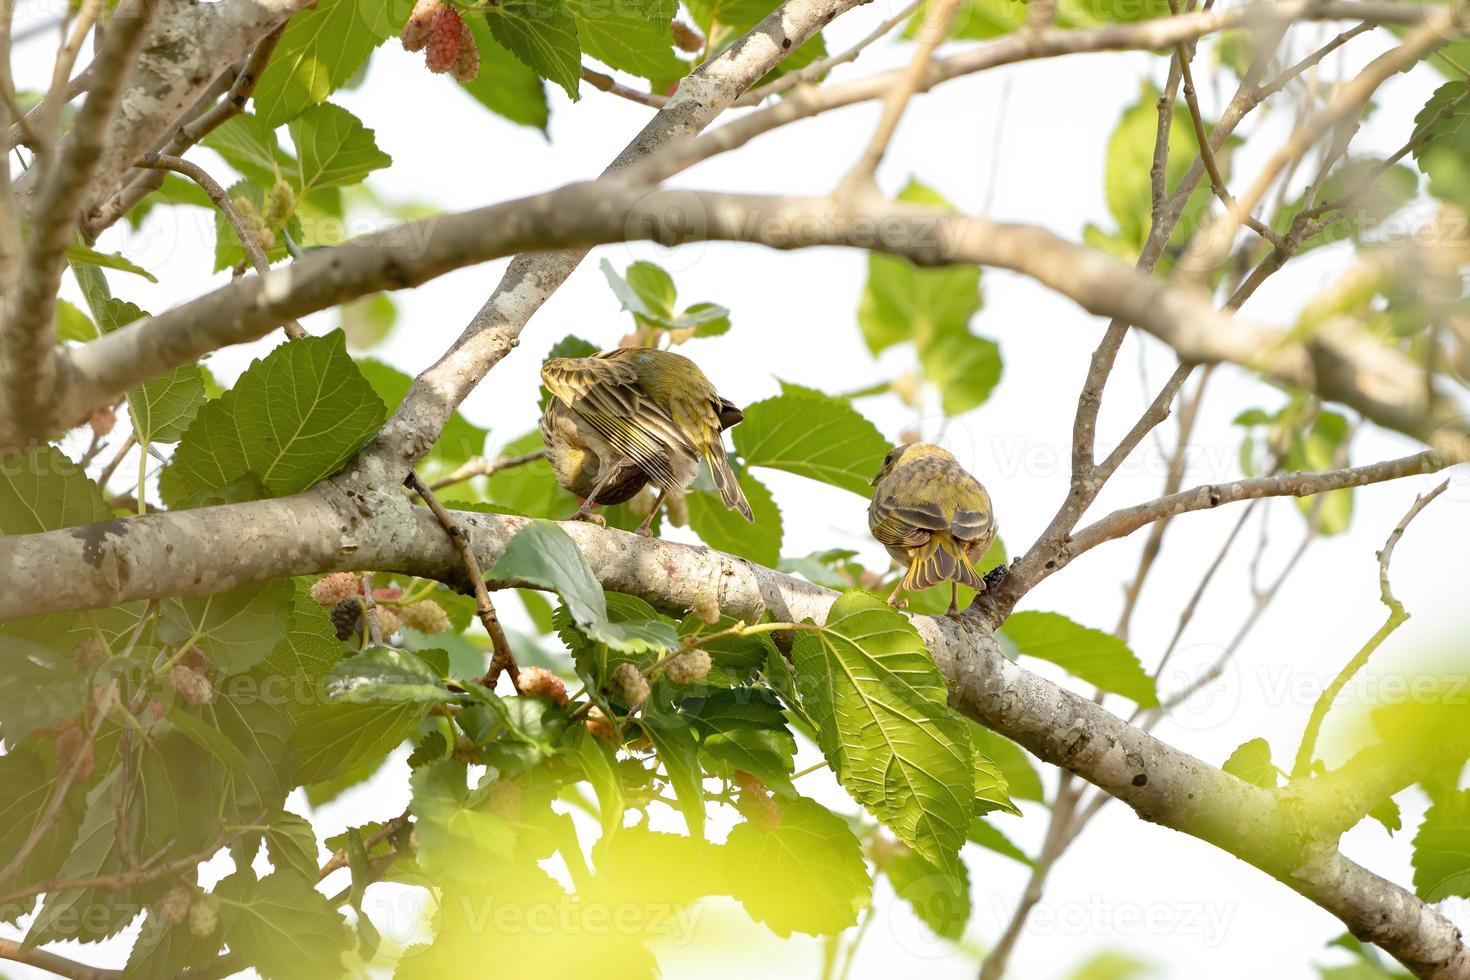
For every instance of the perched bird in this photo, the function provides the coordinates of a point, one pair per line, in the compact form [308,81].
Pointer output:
[644,415]
[934,517]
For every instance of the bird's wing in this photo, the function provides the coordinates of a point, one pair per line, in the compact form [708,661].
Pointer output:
[973,519]
[605,392]
[905,524]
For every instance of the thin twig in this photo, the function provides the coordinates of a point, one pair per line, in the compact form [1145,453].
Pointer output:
[1397,616]
[221,200]
[503,658]
[606,83]
[816,69]
[51,963]
[937,18]
[370,611]
[480,466]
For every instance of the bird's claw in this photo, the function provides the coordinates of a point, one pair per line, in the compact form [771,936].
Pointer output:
[898,603]
[591,518]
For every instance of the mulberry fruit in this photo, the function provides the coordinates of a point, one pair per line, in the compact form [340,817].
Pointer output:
[445,34]
[173,907]
[688,667]
[539,680]
[204,918]
[387,622]
[629,684]
[426,616]
[191,685]
[347,618]
[599,726]
[467,65]
[102,420]
[415,33]
[755,803]
[707,607]
[332,589]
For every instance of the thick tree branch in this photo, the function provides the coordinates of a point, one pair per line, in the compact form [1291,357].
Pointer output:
[66,176]
[51,963]
[326,529]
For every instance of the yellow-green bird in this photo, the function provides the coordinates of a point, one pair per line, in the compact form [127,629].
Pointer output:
[640,414]
[935,518]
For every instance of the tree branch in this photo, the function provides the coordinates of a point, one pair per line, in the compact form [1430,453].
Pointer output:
[51,963]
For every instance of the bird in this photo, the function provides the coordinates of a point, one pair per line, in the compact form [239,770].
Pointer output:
[935,519]
[644,415]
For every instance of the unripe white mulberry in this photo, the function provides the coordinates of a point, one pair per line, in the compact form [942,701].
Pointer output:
[688,667]
[599,726]
[416,32]
[707,607]
[505,799]
[629,684]
[204,917]
[191,685]
[173,907]
[426,616]
[467,65]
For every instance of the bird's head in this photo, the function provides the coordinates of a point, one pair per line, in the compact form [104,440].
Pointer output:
[902,455]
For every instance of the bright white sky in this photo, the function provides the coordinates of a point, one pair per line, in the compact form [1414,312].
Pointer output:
[1021,144]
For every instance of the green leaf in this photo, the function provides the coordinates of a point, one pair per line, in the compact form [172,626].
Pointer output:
[542,554]
[236,629]
[621,37]
[1443,156]
[734,659]
[80,254]
[334,149]
[1317,451]
[673,740]
[458,440]
[384,675]
[883,722]
[1252,762]
[1013,762]
[805,874]
[1387,812]
[599,766]
[294,417]
[505,85]
[26,784]
[819,438]
[543,35]
[114,313]
[72,324]
[941,899]
[992,792]
[41,689]
[367,321]
[1370,202]
[1092,655]
[1441,861]
[725,530]
[249,145]
[744,728]
[321,49]
[168,950]
[457,837]
[281,925]
[305,652]
[163,407]
[42,490]
[331,739]
[985,834]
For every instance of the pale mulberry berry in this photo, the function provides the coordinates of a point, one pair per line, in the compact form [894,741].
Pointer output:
[755,803]
[426,616]
[688,667]
[539,680]
[88,651]
[332,589]
[504,799]
[387,622]
[416,32]
[444,40]
[204,918]
[467,65]
[173,907]
[598,725]
[191,685]
[347,618]
[707,607]
[279,203]
[254,223]
[629,684]
[687,38]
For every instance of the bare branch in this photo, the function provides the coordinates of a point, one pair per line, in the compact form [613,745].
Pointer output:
[606,83]
[1397,616]
[480,466]
[504,658]
[30,329]
[51,963]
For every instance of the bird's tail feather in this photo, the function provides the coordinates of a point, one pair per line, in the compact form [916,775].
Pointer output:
[941,559]
[725,481]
